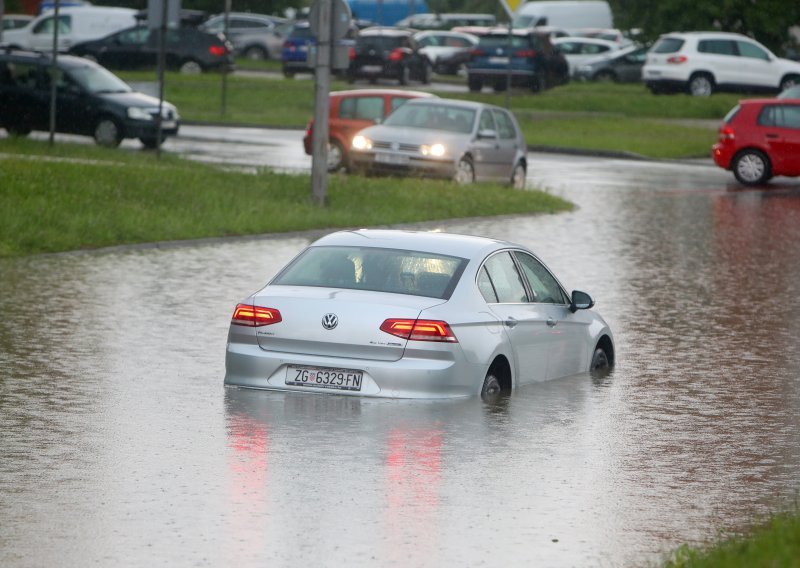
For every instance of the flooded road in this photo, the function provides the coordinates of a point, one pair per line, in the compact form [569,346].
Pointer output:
[120,446]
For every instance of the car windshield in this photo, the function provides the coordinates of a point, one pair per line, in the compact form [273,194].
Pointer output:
[433,116]
[494,41]
[375,269]
[98,80]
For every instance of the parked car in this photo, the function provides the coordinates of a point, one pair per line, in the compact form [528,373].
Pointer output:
[790,93]
[534,64]
[16,21]
[254,36]
[75,24]
[188,50]
[300,43]
[443,48]
[430,21]
[620,66]
[462,140]
[703,62]
[388,53]
[578,50]
[759,139]
[350,111]
[609,34]
[90,101]
[403,314]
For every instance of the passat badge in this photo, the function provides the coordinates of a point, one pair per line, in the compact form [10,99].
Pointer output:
[330,321]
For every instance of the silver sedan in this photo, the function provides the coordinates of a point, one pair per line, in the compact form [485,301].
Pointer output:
[462,140]
[413,315]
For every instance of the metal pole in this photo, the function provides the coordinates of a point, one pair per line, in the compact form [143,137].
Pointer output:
[322,85]
[53,75]
[224,102]
[508,73]
[2,14]
[162,46]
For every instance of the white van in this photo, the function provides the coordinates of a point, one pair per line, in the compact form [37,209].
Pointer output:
[566,14]
[76,24]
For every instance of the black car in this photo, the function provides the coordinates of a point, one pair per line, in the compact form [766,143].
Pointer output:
[90,101]
[188,50]
[388,53]
[620,66]
[528,57]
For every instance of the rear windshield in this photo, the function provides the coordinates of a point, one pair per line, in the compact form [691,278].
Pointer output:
[731,115]
[375,269]
[517,42]
[668,45]
[380,42]
[301,33]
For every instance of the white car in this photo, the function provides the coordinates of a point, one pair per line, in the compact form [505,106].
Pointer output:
[447,51]
[407,314]
[579,50]
[703,62]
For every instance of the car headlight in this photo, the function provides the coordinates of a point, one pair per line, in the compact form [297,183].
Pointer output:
[362,143]
[138,113]
[434,150]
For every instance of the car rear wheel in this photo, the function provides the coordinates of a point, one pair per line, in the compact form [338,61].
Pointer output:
[336,156]
[426,72]
[190,67]
[606,77]
[405,75]
[701,85]
[465,172]
[518,176]
[491,386]
[789,81]
[151,143]
[107,133]
[752,167]
[600,360]
[474,85]
[255,53]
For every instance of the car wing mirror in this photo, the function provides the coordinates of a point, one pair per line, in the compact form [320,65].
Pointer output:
[487,133]
[580,301]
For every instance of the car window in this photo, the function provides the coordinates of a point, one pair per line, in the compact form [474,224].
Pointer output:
[487,121]
[668,45]
[396,102]
[21,74]
[375,269]
[781,116]
[717,46]
[46,26]
[747,49]
[505,126]
[134,36]
[363,108]
[544,286]
[503,280]
[495,40]
[568,47]
[437,116]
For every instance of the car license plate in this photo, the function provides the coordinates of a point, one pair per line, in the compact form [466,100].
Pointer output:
[168,124]
[498,60]
[321,377]
[394,159]
[371,68]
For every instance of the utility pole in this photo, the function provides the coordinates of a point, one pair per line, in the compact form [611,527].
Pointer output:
[54,74]
[322,86]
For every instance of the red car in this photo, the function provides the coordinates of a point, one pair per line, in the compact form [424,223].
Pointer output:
[350,111]
[759,139]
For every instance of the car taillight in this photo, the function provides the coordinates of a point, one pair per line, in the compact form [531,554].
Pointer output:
[255,316]
[217,50]
[397,54]
[726,133]
[525,53]
[476,52]
[351,53]
[310,128]
[677,59]
[419,330]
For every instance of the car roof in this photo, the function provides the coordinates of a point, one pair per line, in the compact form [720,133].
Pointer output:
[386,30]
[381,92]
[64,61]
[694,34]
[465,246]
[453,102]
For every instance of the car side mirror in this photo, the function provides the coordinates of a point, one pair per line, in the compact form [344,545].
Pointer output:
[487,133]
[580,301]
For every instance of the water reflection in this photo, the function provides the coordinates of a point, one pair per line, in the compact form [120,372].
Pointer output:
[120,446]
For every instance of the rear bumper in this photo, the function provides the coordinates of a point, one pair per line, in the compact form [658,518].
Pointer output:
[722,155]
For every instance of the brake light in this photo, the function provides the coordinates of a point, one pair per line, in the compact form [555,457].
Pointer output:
[217,50]
[677,59]
[419,330]
[397,54]
[476,52]
[525,53]
[255,316]
[726,133]
[351,53]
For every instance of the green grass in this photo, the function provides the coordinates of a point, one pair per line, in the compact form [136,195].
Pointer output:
[775,544]
[101,198]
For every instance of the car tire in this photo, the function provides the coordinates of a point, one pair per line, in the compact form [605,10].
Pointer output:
[500,85]
[789,81]
[426,73]
[465,172]
[751,167]
[107,133]
[337,157]
[518,176]
[288,74]
[491,388]
[606,77]
[539,83]
[152,142]
[405,75]
[190,67]
[700,85]
[474,85]
[600,361]
[255,53]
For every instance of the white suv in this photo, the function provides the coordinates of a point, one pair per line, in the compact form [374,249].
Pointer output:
[702,62]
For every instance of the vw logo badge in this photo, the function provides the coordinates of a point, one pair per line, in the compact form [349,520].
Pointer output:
[330,321]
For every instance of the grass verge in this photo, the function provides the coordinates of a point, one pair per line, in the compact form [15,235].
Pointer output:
[775,543]
[81,197]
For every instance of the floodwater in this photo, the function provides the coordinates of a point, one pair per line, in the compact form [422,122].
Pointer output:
[119,445]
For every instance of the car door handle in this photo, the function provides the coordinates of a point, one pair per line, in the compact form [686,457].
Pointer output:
[551,322]
[771,135]
[511,322]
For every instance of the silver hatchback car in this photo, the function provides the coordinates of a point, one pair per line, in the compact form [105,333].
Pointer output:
[462,140]
[404,314]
